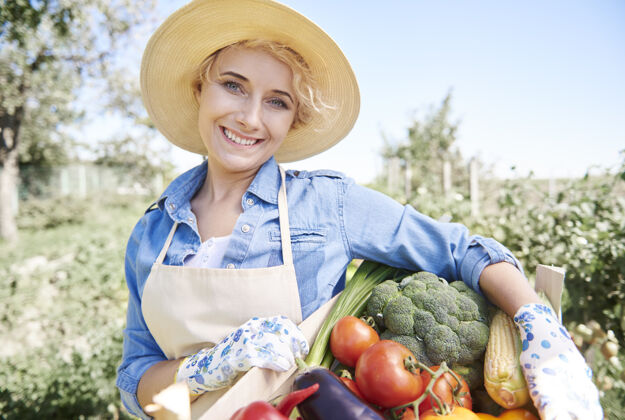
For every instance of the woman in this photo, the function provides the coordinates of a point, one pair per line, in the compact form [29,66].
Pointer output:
[250,83]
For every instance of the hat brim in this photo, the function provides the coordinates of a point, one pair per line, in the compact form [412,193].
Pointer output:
[200,28]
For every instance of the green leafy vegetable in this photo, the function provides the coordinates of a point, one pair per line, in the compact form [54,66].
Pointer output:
[351,302]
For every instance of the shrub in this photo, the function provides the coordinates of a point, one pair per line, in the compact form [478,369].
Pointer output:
[36,214]
[41,385]
[64,298]
[582,229]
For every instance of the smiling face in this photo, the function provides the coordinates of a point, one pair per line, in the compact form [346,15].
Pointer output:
[246,107]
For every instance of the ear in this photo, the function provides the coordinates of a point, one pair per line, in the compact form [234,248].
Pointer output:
[197,92]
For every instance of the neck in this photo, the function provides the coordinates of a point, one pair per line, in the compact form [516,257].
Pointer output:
[222,185]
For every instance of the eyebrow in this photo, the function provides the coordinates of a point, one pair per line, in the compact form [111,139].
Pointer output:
[245,79]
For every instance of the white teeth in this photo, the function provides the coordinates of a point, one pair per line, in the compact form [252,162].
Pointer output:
[237,139]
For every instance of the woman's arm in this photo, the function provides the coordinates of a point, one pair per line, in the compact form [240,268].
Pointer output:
[378,228]
[157,378]
[553,367]
[140,350]
[506,287]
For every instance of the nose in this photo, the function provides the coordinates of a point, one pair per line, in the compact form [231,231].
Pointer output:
[251,114]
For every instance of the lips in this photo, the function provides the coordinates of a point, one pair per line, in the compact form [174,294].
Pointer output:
[239,138]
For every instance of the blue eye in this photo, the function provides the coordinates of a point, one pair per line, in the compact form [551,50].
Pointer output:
[279,103]
[232,86]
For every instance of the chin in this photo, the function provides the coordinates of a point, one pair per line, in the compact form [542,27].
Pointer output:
[240,163]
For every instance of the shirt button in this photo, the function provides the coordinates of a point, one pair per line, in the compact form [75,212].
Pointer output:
[245,228]
[230,265]
[172,206]
[250,201]
[190,219]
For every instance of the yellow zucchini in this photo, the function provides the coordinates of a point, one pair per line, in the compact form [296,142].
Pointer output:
[503,377]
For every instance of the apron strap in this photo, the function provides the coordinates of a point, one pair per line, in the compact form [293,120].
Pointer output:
[161,256]
[283,212]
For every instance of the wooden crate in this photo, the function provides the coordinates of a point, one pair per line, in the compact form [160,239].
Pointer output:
[264,384]
[256,384]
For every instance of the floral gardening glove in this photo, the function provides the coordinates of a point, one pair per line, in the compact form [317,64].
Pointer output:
[558,378]
[271,343]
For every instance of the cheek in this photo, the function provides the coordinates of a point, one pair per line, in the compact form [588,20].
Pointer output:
[284,123]
[203,111]
[214,100]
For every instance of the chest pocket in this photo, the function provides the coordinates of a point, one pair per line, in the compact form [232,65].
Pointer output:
[308,239]
[308,247]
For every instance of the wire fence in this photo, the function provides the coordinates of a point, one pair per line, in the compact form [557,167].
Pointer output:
[82,180]
[399,177]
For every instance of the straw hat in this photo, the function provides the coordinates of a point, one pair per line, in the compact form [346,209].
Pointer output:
[201,27]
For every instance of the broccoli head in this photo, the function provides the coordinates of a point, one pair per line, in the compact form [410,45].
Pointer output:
[398,315]
[449,321]
[381,295]
[483,307]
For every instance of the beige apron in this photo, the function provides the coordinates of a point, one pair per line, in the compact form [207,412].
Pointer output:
[189,308]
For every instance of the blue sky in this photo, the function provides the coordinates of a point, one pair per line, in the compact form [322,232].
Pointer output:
[539,85]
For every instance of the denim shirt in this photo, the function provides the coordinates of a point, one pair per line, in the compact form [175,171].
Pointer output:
[332,219]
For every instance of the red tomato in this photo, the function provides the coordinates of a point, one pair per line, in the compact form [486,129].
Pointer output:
[383,378]
[444,389]
[458,413]
[351,384]
[349,338]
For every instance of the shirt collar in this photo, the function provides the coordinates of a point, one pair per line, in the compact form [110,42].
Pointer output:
[184,187]
[265,185]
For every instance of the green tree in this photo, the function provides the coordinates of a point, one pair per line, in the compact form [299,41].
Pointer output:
[428,147]
[48,48]
[132,148]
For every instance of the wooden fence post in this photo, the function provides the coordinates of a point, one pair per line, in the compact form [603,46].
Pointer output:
[82,181]
[446,178]
[64,181]
[474,191]
[552,187]
[393,173]
[408,180]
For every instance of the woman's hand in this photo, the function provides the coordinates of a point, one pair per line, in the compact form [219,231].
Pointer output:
[271,343]
[557,375]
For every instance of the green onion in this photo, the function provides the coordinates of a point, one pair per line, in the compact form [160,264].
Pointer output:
[351,302]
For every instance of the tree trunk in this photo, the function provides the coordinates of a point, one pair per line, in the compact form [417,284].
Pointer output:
[8,191]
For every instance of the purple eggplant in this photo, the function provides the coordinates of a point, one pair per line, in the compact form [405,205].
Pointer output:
[333,400]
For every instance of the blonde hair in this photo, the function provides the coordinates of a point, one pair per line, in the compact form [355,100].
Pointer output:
[308,96]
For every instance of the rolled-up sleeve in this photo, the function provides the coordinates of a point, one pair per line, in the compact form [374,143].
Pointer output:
[483,252]
[140,350]
[378,228]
